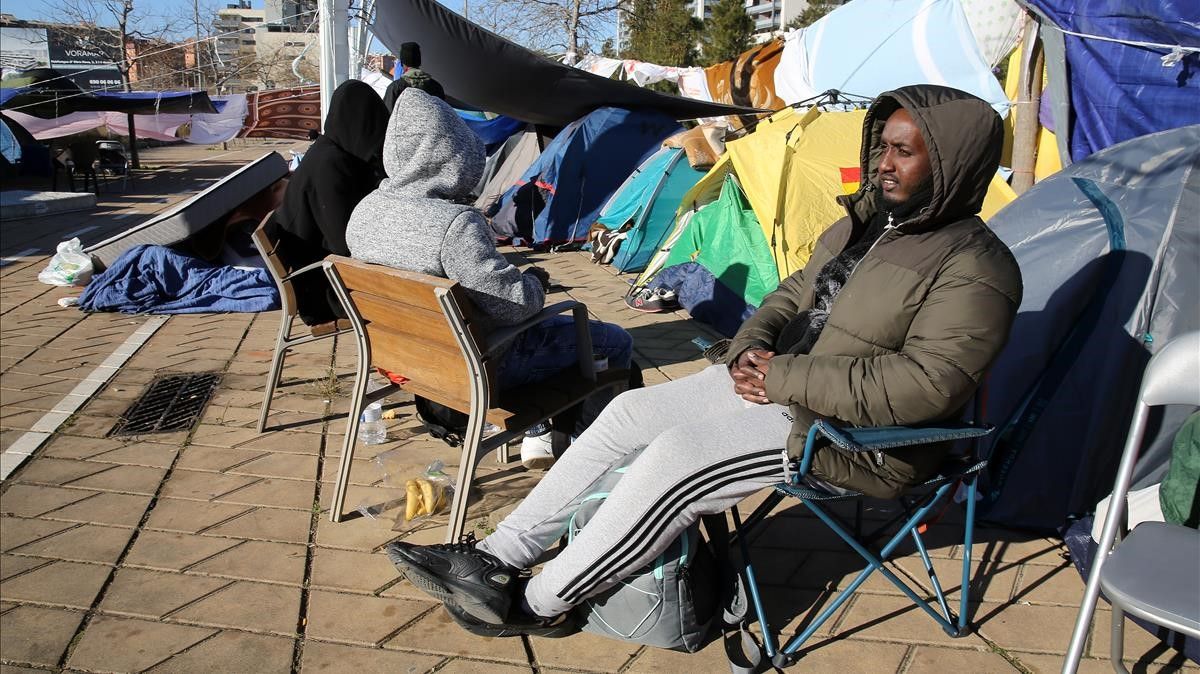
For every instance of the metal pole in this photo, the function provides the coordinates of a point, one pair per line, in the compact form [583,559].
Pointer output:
[335,58]
[196,46]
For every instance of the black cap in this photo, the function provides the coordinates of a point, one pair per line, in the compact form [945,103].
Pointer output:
[410,54]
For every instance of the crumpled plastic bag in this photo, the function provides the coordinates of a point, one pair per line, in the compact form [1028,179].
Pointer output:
[69,266]
[428,494]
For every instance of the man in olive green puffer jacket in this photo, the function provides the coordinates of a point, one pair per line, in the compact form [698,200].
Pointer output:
[899,312]
[924,312]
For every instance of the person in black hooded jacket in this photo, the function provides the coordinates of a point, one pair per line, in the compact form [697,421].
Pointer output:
[340,168]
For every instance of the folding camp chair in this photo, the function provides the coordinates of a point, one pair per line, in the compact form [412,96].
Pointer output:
[283,277]
[919,506]
[1154,574]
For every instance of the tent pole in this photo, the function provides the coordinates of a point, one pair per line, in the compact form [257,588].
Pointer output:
[133,153]
[1029,99]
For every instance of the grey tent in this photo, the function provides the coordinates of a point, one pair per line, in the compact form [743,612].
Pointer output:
[511,160]
[489,72]
[1109,249]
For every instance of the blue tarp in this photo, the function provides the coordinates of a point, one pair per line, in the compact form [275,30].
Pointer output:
[493,131]
[586,163]
[158,280]
[1120,91]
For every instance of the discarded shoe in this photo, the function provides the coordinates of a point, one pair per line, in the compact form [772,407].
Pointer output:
[653,300]
[459,573]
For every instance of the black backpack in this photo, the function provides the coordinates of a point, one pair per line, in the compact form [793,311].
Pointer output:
[450,425]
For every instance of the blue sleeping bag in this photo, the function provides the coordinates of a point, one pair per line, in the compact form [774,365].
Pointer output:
[159,280]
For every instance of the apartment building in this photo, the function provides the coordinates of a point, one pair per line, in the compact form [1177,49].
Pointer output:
[266,48]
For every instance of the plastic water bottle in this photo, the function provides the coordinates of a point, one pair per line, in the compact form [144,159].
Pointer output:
[371,429]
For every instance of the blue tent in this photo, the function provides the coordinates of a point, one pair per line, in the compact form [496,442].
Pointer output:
[586,163]
[1132,68]
[647,202]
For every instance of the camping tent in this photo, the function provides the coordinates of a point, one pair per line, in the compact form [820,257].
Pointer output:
[512,159]
[647,202]
[867,47]
[792,166]
[1120,68]
[1108,251]
[583,166]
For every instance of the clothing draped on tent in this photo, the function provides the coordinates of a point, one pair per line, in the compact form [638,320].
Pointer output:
[1132,67]
[1108,249]
[996,25]
[749,79]
[494,74]
[156,279]
[867,47]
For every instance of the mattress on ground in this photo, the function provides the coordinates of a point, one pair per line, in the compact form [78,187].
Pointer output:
[189,217]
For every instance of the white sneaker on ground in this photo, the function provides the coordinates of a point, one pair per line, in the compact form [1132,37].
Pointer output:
[537,452]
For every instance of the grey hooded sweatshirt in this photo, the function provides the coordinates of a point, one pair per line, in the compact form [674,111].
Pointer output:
[413,221]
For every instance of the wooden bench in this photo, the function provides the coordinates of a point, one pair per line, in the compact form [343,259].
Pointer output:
[283,276]
[426,329]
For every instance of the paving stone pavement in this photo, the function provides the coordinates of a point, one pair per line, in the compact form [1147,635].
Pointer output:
[210,550]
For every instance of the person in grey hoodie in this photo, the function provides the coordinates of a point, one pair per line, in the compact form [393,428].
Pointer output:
[418,220]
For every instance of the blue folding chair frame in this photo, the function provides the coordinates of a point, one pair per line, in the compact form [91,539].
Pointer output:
[917,512]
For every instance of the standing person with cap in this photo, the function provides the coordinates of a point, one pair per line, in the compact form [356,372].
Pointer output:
[411,76]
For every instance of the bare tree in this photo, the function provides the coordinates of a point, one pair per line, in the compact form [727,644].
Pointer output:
[114,28]
[548,25]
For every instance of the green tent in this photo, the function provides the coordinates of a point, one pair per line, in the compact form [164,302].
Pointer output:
[725,238]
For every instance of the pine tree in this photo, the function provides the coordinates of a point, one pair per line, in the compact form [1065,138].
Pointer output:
[810,14]
[663,32]
[728,32]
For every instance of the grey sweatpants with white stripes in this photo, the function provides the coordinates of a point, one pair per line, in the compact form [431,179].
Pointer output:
[704,450]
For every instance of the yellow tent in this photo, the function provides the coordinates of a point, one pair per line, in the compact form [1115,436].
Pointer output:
[791,168]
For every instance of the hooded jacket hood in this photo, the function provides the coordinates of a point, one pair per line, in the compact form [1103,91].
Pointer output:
[964,136]
[429,152]
[357,120]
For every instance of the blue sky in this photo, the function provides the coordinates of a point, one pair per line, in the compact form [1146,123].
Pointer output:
[155,10]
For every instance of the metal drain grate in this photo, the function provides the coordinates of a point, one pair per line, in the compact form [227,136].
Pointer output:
[170,403]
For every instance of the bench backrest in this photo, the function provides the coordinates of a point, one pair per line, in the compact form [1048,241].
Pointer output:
[410,332]
[268,248]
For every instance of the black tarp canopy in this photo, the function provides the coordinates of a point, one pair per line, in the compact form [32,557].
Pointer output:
[487,71]
[46,93]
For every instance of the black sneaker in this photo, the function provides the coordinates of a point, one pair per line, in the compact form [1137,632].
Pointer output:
[459,573]
[517,624]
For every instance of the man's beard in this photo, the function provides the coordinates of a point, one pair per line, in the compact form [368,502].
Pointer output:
[915,201]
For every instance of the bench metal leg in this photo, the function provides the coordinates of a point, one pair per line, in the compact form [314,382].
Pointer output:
[281,348]
[361,378]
